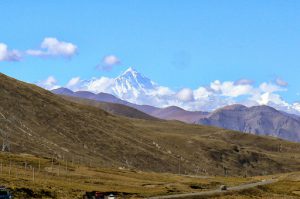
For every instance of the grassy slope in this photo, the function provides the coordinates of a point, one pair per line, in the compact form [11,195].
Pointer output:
[42,123]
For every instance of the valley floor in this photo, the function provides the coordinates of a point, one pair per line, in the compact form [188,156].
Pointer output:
[32,177]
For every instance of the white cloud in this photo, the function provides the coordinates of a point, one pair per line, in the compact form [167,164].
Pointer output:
[281,82]
[73,83]
[296,106]
[205,98]
[230,89]
[216,95]
[102,84]
[52,47]
[162,91]
[243,82]
[108,62]
[202,93]
[9,55]
[95,85]
[267,98]
[50,83]
[270,88]
[185,95]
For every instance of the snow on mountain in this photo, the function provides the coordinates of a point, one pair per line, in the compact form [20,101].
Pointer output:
[134,87]
[132,84]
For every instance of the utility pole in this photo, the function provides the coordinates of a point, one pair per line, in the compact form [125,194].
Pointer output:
[179,166]
[225,171]
[72,161]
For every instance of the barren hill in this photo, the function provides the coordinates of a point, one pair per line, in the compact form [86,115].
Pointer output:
[259,120]
[43,123]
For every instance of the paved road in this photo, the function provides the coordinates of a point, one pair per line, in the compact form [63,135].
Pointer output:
[218,191]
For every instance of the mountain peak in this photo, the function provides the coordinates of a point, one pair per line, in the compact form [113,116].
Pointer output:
[130,70]
[62,91]
[132,84]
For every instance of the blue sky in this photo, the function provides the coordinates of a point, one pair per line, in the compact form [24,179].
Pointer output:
[175,43]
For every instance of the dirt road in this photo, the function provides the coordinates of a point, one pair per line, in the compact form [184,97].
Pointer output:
[217,191]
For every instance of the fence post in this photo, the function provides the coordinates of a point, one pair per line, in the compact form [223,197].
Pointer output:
[33,174]
[58,167]
[9,172]
[52,164]
[39,165]
[16,172]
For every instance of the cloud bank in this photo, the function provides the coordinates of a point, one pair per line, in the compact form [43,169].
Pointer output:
[108,62]
[52,47]
[9,55]
[135,88]
[50,83]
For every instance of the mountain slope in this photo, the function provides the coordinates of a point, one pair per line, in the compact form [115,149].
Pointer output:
[113,108]
[176,113]
[42,123]
[259,120]
[169,113]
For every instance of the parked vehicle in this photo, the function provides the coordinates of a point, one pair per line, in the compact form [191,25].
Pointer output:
[111,196]
[5,193]
[223,187]
[98,195]
[94,195]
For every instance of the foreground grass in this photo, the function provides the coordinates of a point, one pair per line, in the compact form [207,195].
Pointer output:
[32,177]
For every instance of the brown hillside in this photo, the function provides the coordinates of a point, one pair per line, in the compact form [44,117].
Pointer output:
[42,123]
[113,108]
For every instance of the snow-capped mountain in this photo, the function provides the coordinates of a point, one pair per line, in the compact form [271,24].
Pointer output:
[136,88]
[132,85]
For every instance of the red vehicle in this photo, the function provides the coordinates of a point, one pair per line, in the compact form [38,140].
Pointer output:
[94,195]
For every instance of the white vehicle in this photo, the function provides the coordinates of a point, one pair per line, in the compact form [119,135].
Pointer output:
[111,196]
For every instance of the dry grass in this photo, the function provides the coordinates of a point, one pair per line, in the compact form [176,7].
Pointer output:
[288,187]
[57,182]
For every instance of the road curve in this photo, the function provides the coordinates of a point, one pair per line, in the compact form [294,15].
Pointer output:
[217,191]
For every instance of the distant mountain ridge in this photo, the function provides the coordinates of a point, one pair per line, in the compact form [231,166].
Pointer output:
[177,113]
[259,120]
[168,113]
